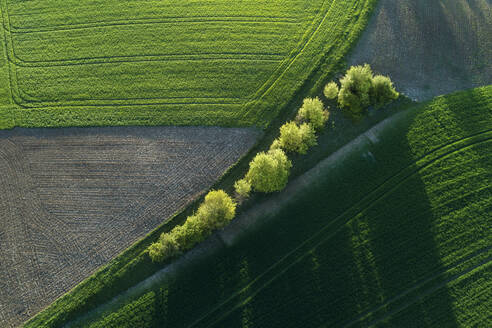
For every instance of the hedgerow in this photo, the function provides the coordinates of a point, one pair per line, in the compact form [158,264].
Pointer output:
[242,188]
[382,91]
[216,211]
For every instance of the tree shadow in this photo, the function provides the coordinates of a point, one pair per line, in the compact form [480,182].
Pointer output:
[366,245]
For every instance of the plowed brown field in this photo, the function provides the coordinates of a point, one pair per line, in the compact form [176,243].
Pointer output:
[72,199]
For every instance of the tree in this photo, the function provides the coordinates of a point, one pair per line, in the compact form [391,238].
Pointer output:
[382,91]
[218,209]
[270,171]
[313,112]
[331,90]
[356,86]
[297,138]
[243,188]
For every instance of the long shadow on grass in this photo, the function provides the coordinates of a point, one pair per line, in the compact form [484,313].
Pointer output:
[330,259]
[360,270]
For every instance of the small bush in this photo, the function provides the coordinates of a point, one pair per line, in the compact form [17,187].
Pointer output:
[382,91]
[356,86]
[297,138]
[270,171]
[331,90]
[243,188]
[313,112]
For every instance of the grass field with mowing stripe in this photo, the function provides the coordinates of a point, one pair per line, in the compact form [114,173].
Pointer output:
[160,62]
[395,235]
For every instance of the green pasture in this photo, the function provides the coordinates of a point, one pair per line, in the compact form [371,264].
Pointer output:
[396,235]
[122,62]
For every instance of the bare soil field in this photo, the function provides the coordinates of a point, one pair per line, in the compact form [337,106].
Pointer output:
[72,199]
[429,48]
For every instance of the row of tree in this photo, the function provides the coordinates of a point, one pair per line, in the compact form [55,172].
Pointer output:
[269,171]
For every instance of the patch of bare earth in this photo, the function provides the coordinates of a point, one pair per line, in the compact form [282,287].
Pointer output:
[429,47]
[72,199]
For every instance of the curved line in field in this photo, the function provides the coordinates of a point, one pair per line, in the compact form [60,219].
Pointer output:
[319,238]
[268,86]
[4,2]
[314,28]
[295,53]
[161,20]
[99,60]
[18,166]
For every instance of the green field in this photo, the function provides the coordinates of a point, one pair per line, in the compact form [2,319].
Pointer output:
[122,62]
[396,235]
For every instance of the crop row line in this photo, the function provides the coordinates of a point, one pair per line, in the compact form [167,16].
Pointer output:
[160,20]
[246,293]
[7,25]
[98,60]
[22,98]
[487,261]
[286,303]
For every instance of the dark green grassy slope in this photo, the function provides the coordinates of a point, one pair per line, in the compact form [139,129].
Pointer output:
[396,235]
[122,62]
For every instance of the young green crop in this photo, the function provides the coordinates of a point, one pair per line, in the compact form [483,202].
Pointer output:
[121,62]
